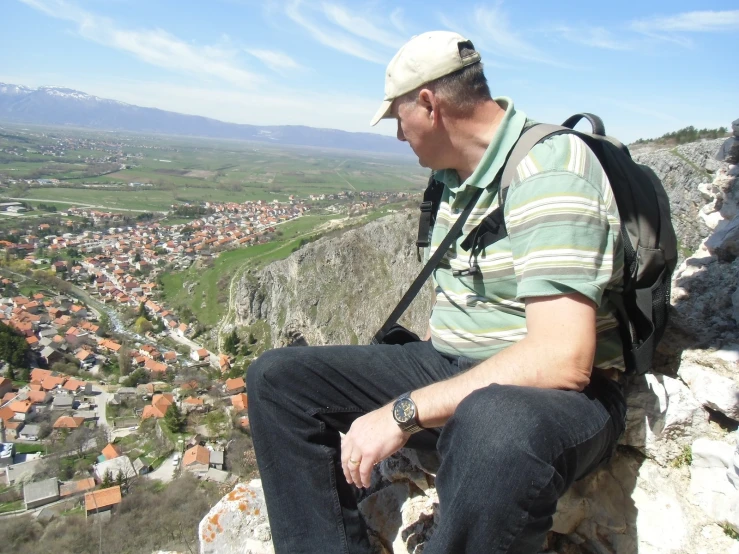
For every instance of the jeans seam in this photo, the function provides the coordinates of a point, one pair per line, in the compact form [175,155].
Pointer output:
[335,494]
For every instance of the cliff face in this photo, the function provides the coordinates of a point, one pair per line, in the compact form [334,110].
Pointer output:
[340,290]
[337,290]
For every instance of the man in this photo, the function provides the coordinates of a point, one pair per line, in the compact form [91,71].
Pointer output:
[505,388]
[724,153]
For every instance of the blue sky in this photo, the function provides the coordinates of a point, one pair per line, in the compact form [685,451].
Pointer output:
[646,67]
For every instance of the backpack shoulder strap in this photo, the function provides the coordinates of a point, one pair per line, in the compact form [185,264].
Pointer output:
[493,227]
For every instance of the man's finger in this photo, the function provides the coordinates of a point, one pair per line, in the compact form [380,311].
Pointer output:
[353,464]
[365,472]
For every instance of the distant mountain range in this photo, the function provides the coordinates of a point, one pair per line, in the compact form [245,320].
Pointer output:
[63,106]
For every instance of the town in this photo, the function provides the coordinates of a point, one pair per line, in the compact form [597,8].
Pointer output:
[102,403]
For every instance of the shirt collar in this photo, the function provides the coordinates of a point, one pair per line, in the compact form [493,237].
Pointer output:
[495,155]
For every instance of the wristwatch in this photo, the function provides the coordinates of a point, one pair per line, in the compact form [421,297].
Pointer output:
[405,413]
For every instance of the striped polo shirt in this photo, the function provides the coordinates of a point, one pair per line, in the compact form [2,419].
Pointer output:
[563,237]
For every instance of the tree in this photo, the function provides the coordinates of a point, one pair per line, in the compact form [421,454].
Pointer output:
[173,418]
[142,310]
[143,325]
[231,343]
[79,441]
[107,480]
[124,360]
[13,347]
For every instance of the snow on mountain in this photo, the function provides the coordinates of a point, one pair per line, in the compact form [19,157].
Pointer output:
[58,105]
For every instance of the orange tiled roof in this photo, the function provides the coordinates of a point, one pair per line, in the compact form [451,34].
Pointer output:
[193,401]
[196,454]
[21,406]
[68,422]
[151,411]
[73,384]
[39,374]
[233,384]
[240,402]
[8,397]
[37,396]
[111,451]
[51,382]
[104,498]
[74,487]
[6,414]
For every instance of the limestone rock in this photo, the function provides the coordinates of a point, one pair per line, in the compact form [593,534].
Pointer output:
[662,417]
[710,486]
[724,243]
[238,523]
[712,390]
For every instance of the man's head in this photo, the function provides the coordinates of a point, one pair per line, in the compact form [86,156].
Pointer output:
[735,127]
[436,90]
[441,61]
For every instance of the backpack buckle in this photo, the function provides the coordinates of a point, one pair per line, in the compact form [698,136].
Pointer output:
[426,206]
[474,269]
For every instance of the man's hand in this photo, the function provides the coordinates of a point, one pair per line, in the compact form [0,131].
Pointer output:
[371,438]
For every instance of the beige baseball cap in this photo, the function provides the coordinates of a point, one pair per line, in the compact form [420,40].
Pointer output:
[422,59]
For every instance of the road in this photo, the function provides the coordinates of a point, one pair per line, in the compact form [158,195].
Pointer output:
[81,204]
[165,472]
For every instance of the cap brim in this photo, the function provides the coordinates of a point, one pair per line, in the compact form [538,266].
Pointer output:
[382,113]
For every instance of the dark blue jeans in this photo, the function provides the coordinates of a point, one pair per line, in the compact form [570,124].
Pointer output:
[508,453]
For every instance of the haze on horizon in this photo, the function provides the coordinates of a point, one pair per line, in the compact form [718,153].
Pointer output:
[645,68]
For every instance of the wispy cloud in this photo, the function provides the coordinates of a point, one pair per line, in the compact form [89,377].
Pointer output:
[276,61]
[396,18]
[154,46]
[331,37]
[491,31]
[690,22]
[361,26]
[596,37]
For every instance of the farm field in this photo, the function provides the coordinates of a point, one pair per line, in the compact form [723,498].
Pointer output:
[119,171]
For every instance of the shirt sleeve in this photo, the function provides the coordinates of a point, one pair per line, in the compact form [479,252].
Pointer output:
[563,233]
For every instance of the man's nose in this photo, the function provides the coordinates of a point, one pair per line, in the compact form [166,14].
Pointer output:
[400,135]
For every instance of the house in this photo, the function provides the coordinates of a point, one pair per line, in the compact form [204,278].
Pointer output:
[30,432]
[216,475]
[102,500]
[121,465]
[73,488]
[23,409]
[158,407]
[140,467]
[74,385]
[6,453]
[199,355]
[196,459]
[216,459]
[68,422]
[111,451]
[235,386]
[240,402]
[62,402]
[40,493]
[50,356]
[190,403]
[6,386]
[85,358]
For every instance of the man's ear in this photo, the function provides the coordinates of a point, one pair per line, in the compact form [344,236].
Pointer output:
[428,100]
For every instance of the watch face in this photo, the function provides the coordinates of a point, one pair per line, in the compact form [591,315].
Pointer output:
[404,410]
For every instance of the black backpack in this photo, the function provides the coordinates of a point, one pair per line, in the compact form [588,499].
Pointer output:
[650,244]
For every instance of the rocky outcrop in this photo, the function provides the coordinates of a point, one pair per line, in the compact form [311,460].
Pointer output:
[673,485]
[337,290]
